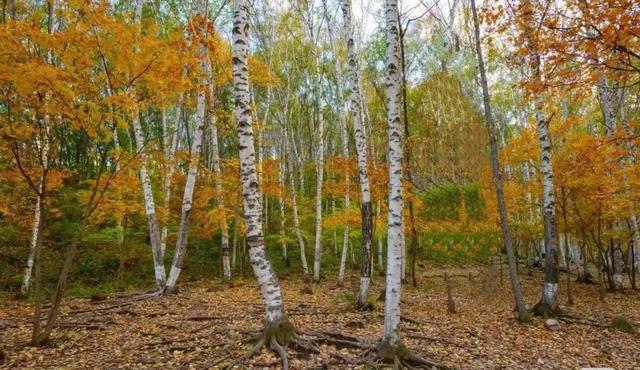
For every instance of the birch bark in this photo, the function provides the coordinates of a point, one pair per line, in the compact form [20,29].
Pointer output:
[145,180]
[37,213]
[217,170]
[194,161]
[356,103]
[391,330]
[269,286]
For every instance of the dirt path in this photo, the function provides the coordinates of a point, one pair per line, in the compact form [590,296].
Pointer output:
[205,326]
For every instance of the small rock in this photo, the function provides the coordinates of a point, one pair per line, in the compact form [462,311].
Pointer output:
[552,324]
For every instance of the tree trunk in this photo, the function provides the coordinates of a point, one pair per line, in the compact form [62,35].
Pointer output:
[35,235]
[347,204]
[44,159]
[497,179]
[269,286]
[361,150]
[294,208]
[549,302]
[194,161]
[380,247]
[391,330]
[317,257]
[217,170]
[149,204]
[281,174]
[171,166]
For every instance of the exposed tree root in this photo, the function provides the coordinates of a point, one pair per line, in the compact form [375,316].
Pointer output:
[282,334]
[545,310]
[401,358]
[278,335]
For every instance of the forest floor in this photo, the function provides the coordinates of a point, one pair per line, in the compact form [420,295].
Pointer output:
[207,326]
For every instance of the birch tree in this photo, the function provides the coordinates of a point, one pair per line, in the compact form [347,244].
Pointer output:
[391,348]
[194,160]
[548,304]
[356,103]
[44,160]
[145,180]
[391,330]
[278,330]
[217,170]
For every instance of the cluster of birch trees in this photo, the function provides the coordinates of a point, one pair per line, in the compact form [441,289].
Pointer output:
[300,104]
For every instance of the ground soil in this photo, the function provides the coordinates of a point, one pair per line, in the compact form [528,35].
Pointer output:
[207,325]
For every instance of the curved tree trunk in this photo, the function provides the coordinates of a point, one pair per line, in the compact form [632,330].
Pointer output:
[194,161]
[356,103]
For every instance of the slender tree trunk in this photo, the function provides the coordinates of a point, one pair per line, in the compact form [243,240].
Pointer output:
[497,179]
[294,209]
[145,180]
[606,102]
[380,247]
[549,302]
[347,204]
[269,286]
[171,165]
[631,160]
[44,150]
[217,170]
[149,204]
[356,103]
[194,161]
[281,175]
[412,218]
[317,257]
[391,329]
[35,235]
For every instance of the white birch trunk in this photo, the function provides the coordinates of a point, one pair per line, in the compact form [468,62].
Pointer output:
[194,161]
[356,103]
[149,204]
[294,209]
[281,173]
[317,257]
[37,220]
[215,159]
[578,260]
[145,180]
[562,261]
[347,204]
[606,101]
[262,268]
[171,165]
[550,290]
[37,216]
[391,330]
